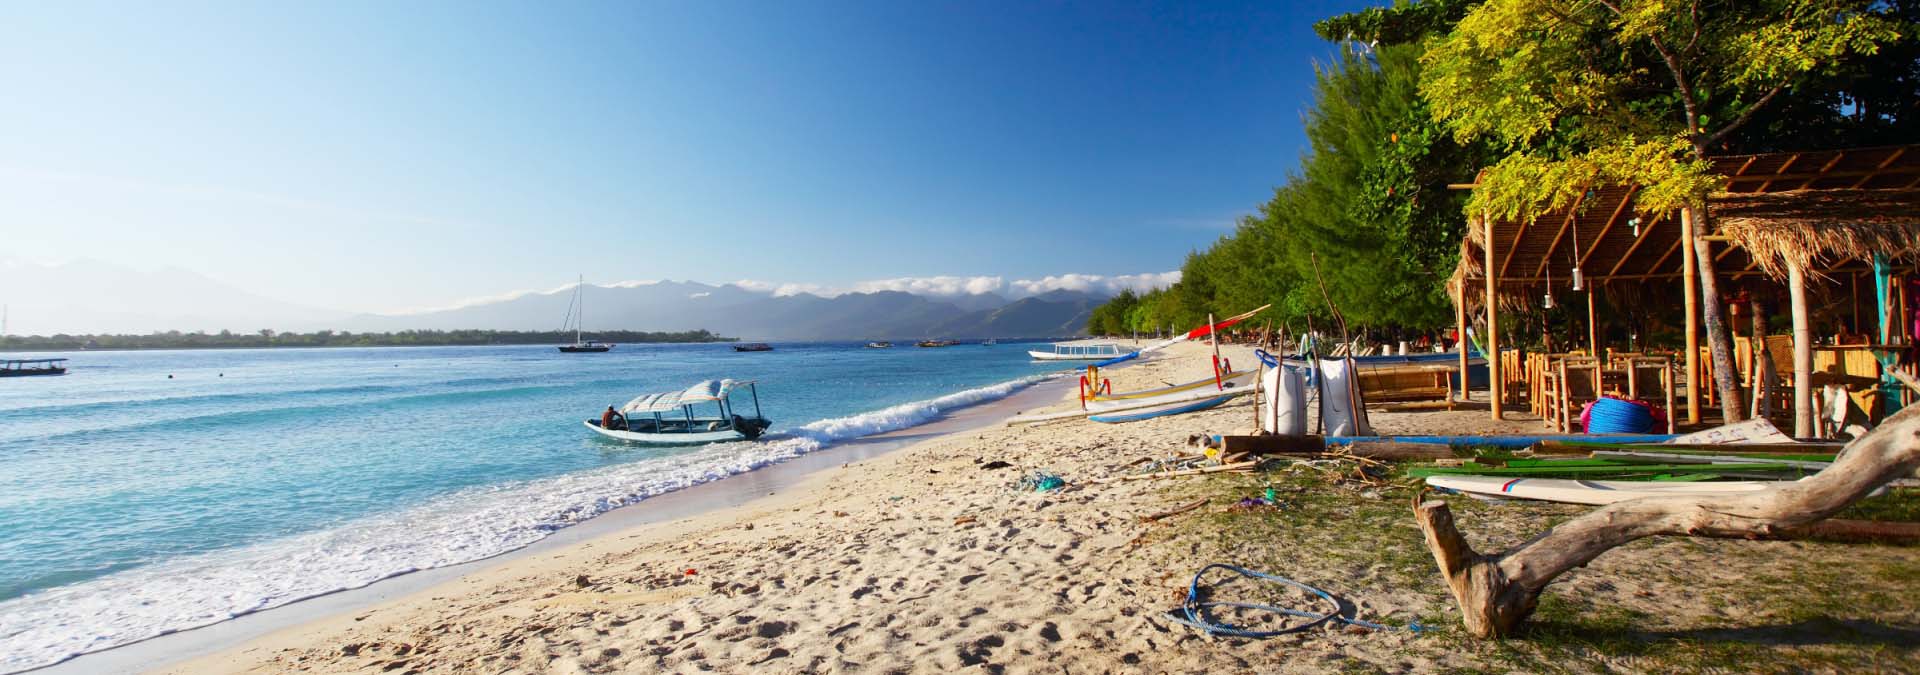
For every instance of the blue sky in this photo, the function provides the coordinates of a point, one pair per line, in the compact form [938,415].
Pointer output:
[383,156]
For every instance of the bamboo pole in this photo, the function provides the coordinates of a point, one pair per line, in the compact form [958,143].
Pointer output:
[1593,329]
[1688,291]
[1460,329]
[1802,351]
[1495,388]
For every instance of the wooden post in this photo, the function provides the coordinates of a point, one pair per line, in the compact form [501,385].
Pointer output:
[1460,327]
[1802,351]
[1593,328]
[1689,288]
[1496,390]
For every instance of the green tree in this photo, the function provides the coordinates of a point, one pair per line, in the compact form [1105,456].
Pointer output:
[1582,92]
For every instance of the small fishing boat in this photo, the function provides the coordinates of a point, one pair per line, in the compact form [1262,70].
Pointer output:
[575,311]
[1173,408]
[669,418]
[29,367]
[753,347]
[1134,398]
[1594,492]
[1077,352]
[990,342]
[879,345]
[935,343]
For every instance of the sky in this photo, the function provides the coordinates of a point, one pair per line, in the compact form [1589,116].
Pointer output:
[397,156]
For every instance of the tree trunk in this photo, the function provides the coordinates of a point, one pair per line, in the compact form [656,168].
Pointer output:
[1719,340]
[1497,592]
[1763,370]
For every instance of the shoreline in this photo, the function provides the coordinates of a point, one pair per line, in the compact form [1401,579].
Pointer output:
[732,492]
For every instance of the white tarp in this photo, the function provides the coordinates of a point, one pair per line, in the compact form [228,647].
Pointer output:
[1283,402]
[1342,411]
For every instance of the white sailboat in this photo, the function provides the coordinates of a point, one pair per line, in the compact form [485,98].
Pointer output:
[576,311]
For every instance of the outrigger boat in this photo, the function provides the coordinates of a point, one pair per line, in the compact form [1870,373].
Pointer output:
[27,367]
[1109,401]
[668,418]
[1072,352]
[753,347]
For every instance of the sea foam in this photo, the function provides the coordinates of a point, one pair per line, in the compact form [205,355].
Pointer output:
[48,627]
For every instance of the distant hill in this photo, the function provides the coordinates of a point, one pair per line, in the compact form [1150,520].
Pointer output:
[101,298]
[735,311]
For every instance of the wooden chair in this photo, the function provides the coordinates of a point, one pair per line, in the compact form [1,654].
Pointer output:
[1569,383]
[1645,374]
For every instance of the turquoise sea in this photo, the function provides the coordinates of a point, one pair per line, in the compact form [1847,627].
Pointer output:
[137,504]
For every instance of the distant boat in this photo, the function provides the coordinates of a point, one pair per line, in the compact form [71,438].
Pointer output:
[1073,352]
[990,342]
[576,310]
[668,418]
[29,367]
[753,347]
[879,345]
[935,343]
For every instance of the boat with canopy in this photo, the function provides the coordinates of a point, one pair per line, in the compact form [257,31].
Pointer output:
[26,367]
[700,414]
[1067,351]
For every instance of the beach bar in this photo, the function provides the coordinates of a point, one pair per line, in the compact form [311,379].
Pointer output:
[1836,233]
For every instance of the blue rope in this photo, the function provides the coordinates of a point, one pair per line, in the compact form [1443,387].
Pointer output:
[1198,614]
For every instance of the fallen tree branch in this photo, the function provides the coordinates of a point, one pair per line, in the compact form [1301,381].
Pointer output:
[1169,514]
[1497,592]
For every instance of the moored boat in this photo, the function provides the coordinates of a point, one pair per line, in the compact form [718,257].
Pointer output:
[879,345]
[1078,352]
[935,343]
[576,310]
[1181,391]
[669,418]
[753,347]
[29,367]
[1594,492]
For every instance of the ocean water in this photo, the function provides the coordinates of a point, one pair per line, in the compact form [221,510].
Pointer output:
[133,504]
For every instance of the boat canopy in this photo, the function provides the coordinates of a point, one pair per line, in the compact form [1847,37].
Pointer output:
[669,401]
[1097,349]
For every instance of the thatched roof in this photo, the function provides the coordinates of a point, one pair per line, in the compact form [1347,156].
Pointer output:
[1827,209]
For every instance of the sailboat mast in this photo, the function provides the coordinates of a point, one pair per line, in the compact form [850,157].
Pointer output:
[580,296]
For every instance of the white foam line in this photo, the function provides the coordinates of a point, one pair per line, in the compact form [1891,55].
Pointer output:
[51,626]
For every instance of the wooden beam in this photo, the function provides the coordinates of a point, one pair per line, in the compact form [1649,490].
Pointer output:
[1764,178]
[1802,352]
[1897,152]
[1824,168]
[1521,232]
[1767,179]
[1662,260]
[1460,328]
[1604,229]
[1572,212]
[1688,292]
[1495,388]
[1743,165]
[1593,327]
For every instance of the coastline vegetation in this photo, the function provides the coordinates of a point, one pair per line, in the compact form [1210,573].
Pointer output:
[1546,97]
[267,338]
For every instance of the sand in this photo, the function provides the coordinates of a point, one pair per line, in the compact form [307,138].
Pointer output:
[924,560]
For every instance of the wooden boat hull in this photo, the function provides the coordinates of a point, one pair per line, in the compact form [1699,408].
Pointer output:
[678,438]
[1177,408]
[585,349]
[1229,381]
[1593,492]
[1050,356]
[30,372]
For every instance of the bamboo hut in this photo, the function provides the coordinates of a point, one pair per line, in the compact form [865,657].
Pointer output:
[1842,219]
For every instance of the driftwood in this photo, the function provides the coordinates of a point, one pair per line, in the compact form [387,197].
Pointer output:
[1497,592]
[1174,512]
[1241,467]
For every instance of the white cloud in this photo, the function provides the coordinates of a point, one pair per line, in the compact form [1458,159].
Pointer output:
[634,283]
[937,286]
[1096,283]
[699,295]
[781,290]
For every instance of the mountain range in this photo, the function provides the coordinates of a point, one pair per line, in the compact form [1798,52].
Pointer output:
[735,311]
[92,297]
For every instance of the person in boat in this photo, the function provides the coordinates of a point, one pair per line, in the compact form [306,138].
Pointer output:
[612,419]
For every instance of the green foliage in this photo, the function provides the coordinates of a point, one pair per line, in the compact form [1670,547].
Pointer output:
[327,338]
[1630,91]
[1403,23]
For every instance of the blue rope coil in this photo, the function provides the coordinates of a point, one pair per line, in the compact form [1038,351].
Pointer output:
[1615,416]
[1198,614]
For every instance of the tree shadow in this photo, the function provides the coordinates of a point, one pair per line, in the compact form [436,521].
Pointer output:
[1822,630]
